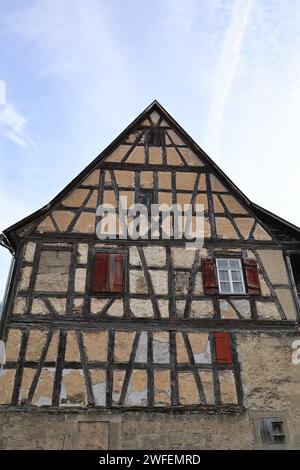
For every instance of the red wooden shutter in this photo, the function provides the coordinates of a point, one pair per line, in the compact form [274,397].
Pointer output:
[116,273]
[223,348]
[252,276]
[100,272]
[209,276]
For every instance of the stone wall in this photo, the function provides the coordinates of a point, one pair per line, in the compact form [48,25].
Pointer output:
[271,384]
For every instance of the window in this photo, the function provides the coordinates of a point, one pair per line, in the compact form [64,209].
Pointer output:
[154,137]
[108,272]
[230,276]
[271,431]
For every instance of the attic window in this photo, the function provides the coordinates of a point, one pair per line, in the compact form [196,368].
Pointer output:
[154,137]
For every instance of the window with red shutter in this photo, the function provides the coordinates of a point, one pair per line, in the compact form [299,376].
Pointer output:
[223,348]
[210,285]
[116,273]
[100,272]
[108,272]
[252,276]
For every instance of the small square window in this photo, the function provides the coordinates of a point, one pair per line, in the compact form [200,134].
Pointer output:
[272,431]
[230,276]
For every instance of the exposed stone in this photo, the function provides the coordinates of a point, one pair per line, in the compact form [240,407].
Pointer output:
[93,435]
[137,282]
[159,281]
[25,278]
[141,308]
[38,307]
[181,281]
[73,388]
[78,305]
[19,307]
[97,305]
[243,306]
[163,306]
[96,345]
[267,311]
[116,309]
[82,253]
[198,289]
[80,280]
[29,252]
[202,309]
[183,258]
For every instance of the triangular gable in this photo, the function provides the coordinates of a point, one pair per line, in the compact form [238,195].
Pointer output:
[154,144]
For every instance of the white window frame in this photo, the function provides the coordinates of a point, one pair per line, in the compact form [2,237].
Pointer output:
[229,270]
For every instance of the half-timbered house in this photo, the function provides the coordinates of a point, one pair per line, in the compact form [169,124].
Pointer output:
[121,343]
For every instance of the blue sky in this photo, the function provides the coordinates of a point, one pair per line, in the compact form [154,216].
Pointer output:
[77,72]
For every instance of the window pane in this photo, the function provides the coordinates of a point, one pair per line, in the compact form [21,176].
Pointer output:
[224,276]
[234,263]
[237,287]
[236,275]
[223,263]
[225,287]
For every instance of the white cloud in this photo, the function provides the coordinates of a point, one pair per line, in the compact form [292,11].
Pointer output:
[14,126]
[226,71]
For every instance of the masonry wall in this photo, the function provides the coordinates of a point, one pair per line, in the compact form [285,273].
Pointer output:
[271,384]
